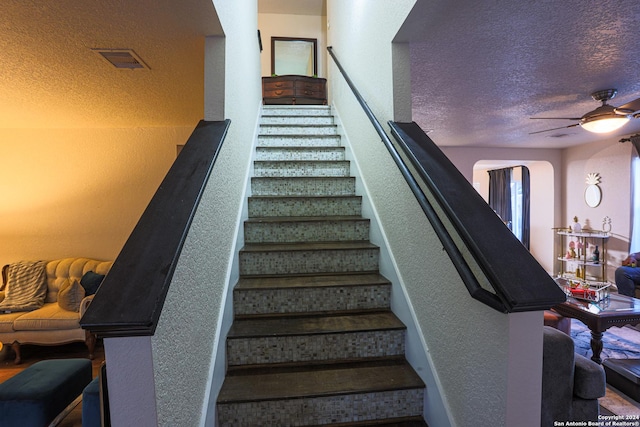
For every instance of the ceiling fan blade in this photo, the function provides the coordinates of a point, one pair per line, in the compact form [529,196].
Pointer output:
[629,107]
[548,130]
[555,118]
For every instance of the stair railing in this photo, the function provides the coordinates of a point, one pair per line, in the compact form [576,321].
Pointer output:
[132,295]
[459,201]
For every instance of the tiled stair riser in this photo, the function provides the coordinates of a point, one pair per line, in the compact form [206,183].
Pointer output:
[287,168]
[323,347]
[325,410]
[308,231]
[312,300]
[308,262]
[296,120]
[304,206]
[303,186]
[298,129]
[298,141]
[272,110]
[300,153]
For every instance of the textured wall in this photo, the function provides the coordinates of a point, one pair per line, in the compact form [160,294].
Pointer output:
[467,342]
[184,344]
[78,192]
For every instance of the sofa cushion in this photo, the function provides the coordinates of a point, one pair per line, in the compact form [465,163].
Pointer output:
[50,317]
[70,295]
[70,268]
[91,282]
[7,319]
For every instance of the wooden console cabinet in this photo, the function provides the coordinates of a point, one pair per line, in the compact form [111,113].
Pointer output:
[300,90]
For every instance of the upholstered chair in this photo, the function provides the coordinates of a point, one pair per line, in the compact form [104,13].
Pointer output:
[571,383]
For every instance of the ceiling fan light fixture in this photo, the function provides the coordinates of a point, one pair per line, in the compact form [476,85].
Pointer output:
[605,124]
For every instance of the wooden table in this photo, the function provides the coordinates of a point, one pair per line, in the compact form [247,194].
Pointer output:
[616,310]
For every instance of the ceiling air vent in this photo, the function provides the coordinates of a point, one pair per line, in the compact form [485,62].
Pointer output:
[123,59]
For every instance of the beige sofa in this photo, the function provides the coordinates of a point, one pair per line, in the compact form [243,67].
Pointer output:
[52,324]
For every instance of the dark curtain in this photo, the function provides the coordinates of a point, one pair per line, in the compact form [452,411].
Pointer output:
[526,207]
[500,193]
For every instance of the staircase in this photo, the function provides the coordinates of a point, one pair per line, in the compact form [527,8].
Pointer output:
[314,341]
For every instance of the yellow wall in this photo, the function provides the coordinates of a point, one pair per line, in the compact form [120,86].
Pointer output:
[78,192]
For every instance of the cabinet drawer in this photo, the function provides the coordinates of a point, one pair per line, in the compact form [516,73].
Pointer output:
[309,93]
[268,86]
[276,93]
[313,86]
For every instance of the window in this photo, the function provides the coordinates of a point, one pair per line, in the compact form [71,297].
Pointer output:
[516,204]
[635,196]
[509,198]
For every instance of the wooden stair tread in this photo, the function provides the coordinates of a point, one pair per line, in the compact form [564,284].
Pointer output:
[318,382]
[395,422]
[329,280]
[313,325]
[314,246]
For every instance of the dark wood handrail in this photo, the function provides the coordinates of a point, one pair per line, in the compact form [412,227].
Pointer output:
[132,294]
[516,276]
[527,295]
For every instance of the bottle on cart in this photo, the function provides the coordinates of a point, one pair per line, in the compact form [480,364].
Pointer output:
[596,255]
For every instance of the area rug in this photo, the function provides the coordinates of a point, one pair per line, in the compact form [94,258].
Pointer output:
[619,343]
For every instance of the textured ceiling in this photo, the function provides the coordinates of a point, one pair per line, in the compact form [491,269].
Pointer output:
[480,70]
[50,77]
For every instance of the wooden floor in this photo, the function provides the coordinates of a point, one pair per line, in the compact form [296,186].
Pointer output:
[32,354]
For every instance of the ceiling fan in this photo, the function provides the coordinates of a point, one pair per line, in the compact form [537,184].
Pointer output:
[605,118]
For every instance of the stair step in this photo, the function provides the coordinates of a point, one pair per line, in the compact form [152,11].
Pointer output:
[306,229]
[262,296]
[321,396]
[314,325]
[263,206]
[298,140]
[291,129]
[292,110]
[289,168]
[390,422]
[296,119]
[308,258]
[300,153]
[294,339]
[313,341]
[303,186]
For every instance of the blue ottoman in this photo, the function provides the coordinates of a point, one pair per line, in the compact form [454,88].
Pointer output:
[91,404]
[35,396]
